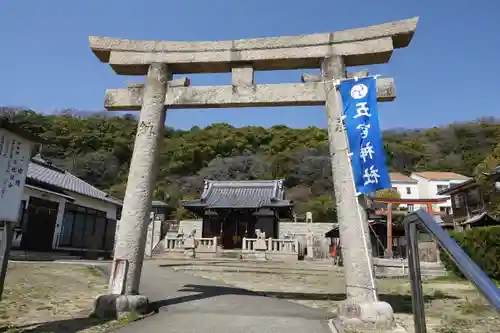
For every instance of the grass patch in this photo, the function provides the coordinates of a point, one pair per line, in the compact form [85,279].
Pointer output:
[51,297]
[446,278]
[93,271]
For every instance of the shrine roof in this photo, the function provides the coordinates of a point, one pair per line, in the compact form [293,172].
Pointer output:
[42,171]
[252,194]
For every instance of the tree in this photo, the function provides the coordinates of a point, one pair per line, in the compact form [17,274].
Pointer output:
[487,185]
[389,193]
[98,147]
[323,209]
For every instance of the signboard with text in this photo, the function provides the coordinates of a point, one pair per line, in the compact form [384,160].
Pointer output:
[15,154]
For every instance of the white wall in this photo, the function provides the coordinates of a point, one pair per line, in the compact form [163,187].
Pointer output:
[423,187]
[401,187]
[302,228]
[428,189]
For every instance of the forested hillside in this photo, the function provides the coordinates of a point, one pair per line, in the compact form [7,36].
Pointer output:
[98,147]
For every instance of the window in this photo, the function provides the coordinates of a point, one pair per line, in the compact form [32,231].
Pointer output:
[441,188]
[408,190]
[411,208]
[80,225]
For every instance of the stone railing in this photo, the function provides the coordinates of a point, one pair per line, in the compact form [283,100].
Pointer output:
[174,244]
[272,245]
[207,244]
[203,244]
[248,244]
[283,245]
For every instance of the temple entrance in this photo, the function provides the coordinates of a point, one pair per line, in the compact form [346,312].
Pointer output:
[330,52]
[42,217]
[234,228]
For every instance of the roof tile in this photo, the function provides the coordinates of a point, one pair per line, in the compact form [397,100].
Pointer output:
[241,194]
[399,177]
[436,175]
[39,170]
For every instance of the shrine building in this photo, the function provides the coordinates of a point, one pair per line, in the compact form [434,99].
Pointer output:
[232,210]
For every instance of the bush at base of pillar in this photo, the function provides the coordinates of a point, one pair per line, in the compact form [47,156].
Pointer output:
[114,306]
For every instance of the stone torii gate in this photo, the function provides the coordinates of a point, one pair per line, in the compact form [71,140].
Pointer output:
[331,52]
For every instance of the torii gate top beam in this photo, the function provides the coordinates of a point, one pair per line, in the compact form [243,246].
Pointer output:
[361,46]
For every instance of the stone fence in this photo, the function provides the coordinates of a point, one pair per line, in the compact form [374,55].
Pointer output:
[206,247]
[274,249]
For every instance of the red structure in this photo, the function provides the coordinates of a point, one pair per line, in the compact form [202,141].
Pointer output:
[390,213]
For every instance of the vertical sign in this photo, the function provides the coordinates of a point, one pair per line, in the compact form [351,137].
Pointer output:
[14,159]
[359,97]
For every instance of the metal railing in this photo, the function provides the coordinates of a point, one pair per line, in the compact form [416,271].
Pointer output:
[468,268]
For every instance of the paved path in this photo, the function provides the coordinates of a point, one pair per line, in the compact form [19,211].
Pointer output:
[190,304]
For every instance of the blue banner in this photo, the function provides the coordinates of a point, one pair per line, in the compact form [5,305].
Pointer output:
[359,98]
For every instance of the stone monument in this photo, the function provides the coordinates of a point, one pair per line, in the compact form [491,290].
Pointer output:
[260,246]
[331,52]
[190,244]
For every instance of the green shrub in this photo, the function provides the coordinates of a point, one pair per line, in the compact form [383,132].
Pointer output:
[482,244]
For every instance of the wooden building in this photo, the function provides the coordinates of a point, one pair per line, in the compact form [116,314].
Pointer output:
[232,210]
[468,202]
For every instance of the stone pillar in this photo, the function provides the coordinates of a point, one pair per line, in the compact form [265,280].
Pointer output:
[131,237]
[310,245]
[353,225]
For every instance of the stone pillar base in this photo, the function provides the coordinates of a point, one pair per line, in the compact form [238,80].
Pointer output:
[366,317]
[260,255]
[189,253]
[113,306]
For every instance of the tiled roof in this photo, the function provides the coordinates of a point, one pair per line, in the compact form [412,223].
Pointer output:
[241,194]
[41,171]
[478,218]
[457,187]
[399,177]
[435,175]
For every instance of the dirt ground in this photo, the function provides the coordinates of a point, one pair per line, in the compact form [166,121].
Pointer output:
[452,305]
[50,297]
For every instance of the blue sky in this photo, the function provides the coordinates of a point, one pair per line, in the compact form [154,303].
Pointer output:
[448,73]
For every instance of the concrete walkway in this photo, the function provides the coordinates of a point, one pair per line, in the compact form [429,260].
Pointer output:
[189,304]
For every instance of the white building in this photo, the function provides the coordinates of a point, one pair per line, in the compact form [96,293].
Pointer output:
[432,182]
[59,211]
[406,186]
